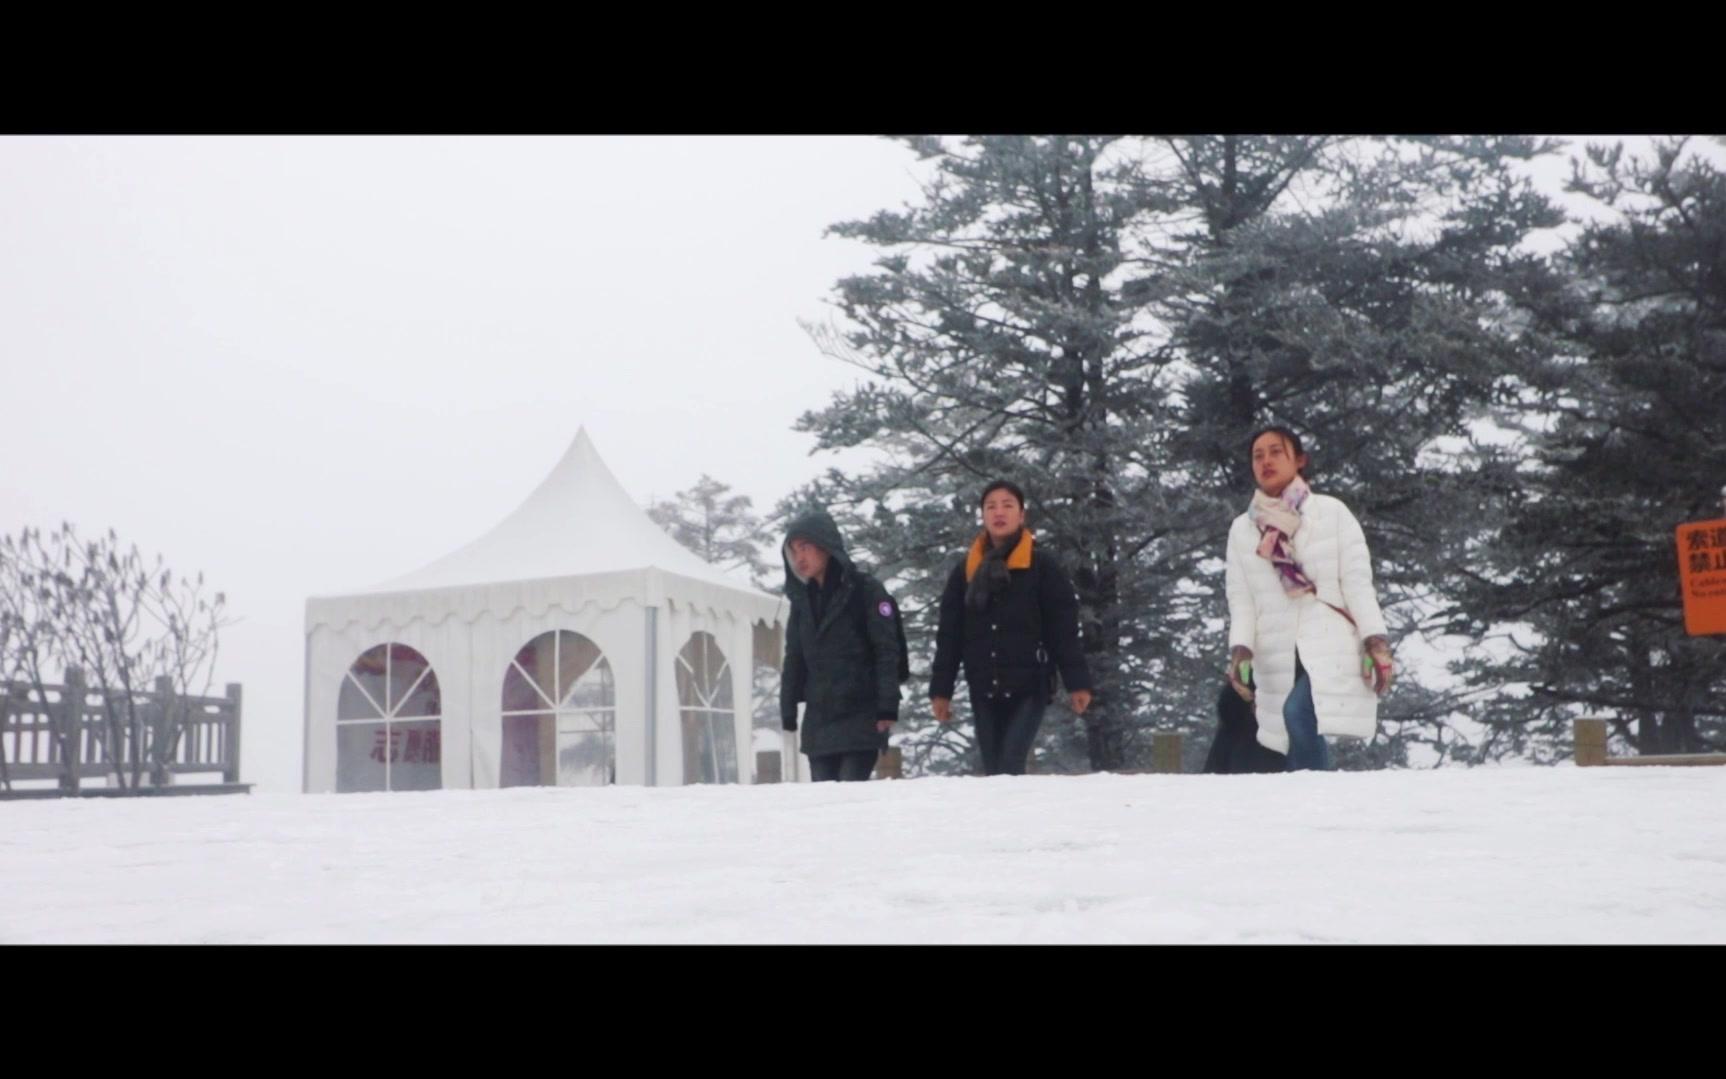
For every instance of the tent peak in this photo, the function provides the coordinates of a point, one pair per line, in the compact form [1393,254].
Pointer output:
[579,520]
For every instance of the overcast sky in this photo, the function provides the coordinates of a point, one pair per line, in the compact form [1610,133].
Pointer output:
[304,365]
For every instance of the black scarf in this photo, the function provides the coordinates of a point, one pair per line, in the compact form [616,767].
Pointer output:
[991,577]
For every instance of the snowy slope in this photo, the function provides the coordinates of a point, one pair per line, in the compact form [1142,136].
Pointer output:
[1488,855]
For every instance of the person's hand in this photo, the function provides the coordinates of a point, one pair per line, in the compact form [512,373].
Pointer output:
[1240,670]
[943,707]
[1381,670]
[1081,701]
[883,726]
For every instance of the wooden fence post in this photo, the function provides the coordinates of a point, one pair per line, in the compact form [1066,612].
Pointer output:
[231,739]
[161,720]
[1166,751]
[769,767]
[1590,738]
[18,739]
[72,728]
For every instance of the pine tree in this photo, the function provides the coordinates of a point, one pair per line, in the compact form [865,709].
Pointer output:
[1106,320]
[998,341]
[717,525]
[1625,439]
[1372,294]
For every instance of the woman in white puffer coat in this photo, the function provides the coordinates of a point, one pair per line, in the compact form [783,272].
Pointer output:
[1307,641]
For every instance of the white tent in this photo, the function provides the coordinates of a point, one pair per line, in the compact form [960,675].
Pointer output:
[575,643]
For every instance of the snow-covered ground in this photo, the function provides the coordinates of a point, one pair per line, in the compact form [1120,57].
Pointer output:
[1489,855]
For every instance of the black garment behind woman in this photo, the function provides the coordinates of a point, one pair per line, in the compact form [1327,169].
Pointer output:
[1236,749]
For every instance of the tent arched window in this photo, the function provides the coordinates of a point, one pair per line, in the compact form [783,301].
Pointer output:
[559,715]
[389,723]
[705,703]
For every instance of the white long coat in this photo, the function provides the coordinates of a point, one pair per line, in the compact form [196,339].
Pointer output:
[1330,546]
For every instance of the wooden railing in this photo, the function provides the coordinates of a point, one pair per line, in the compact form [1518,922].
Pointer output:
[34,726]
[1590,738]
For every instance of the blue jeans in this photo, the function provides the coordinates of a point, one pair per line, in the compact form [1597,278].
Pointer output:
[1307,749]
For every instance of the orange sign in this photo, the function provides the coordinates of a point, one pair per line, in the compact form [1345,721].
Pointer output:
[1702,576]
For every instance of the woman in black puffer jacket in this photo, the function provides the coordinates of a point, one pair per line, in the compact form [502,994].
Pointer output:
[1010,616]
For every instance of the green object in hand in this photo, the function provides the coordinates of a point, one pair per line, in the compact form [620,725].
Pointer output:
[1246,672]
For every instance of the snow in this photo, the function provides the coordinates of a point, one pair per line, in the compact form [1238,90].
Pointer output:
[1485,855]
